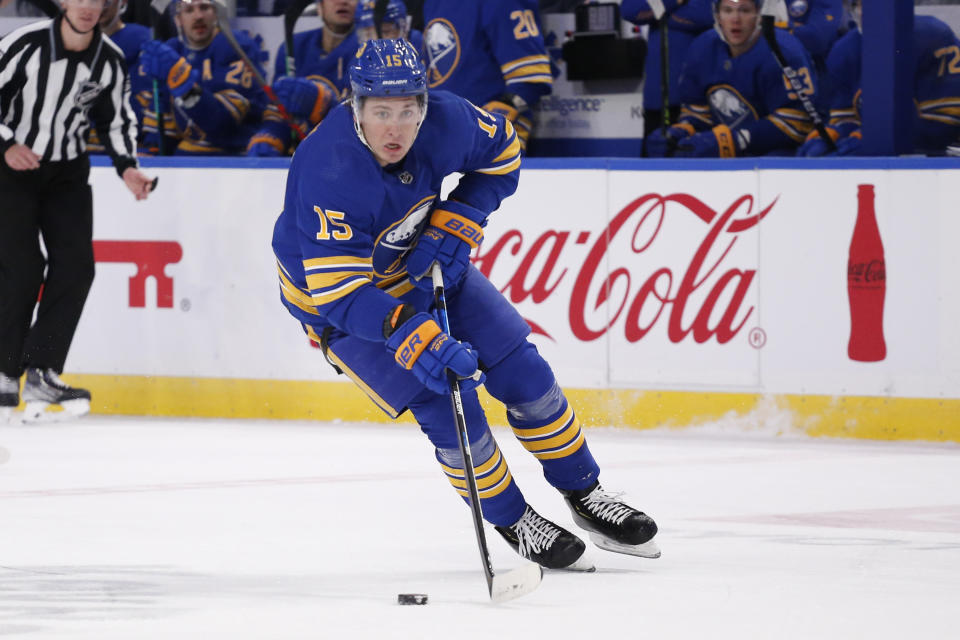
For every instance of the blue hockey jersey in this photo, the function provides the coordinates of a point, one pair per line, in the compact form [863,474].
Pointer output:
[311,61]
[226,113]
[348,223]
[328,70]
[816,24]
[936,84]
[748,93]
[481,50]
[129,39]
[684,23]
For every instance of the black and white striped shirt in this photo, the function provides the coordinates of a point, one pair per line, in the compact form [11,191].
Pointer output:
[49,96]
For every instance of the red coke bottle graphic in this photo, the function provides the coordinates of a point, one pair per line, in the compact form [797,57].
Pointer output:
[866,283]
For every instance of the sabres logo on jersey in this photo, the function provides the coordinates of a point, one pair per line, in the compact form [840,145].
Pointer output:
[728,105]
[442,43]
[397,239]
[798,8]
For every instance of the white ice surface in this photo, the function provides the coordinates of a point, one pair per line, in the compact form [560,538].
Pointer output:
[154,528]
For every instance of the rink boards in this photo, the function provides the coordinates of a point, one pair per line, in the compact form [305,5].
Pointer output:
[663,293]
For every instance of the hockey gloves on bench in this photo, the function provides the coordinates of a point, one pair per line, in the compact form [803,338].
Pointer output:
[303,98]
[455,229]
[815,146]
[715,143]
[662,144]
[421,347]
[166,65]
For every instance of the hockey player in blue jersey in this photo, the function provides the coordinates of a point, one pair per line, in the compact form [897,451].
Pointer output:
[736,100]
[491,53]
[210,101]
[685,20]
[936,91]
[128,37]
[395,23]
[319,79]
[363,223]
[816,24]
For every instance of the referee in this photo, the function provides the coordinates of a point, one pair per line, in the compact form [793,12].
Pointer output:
[56,78]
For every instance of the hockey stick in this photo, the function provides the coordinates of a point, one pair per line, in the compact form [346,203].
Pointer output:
[379,10]
[665,74]
[660,13]
[157,9]
[224,22]
[769,34]
[516,582]
[290,16]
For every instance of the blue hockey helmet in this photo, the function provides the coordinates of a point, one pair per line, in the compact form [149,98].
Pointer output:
[394,13]
[387,69]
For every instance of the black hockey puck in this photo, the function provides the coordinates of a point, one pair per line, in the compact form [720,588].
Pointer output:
[411,598]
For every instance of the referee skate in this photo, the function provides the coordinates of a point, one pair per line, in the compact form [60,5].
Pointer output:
[43,388]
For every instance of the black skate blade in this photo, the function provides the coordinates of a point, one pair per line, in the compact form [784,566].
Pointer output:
[515,583]
[648,549]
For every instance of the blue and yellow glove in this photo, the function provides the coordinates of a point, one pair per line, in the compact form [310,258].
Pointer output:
[166,65]
[850,146]
[715,143]
[421,347]
[303,98]
[514,109]
[455,229]
[815,146]
[661,145]
[264,145]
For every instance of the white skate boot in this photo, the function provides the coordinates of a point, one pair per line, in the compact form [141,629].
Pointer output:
[44,388]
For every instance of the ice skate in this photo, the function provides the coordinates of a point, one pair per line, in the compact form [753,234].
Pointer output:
[552,547]
[613,525]
[9,396]
[44,388]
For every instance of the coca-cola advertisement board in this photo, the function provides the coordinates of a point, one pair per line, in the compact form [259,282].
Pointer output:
[711,280]
[661,274]
[813,315]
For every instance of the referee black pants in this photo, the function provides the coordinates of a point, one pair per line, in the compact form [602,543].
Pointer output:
[55,202]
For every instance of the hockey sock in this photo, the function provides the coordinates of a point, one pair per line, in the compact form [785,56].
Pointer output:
[548,428]
[501,501]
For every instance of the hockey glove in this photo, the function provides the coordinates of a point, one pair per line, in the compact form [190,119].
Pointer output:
[303,98]
[661,145]
[166,65]
[514,109]
[421,347]
[815,146]
[455,229]
[263,149]
[850,146]
[716,143]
